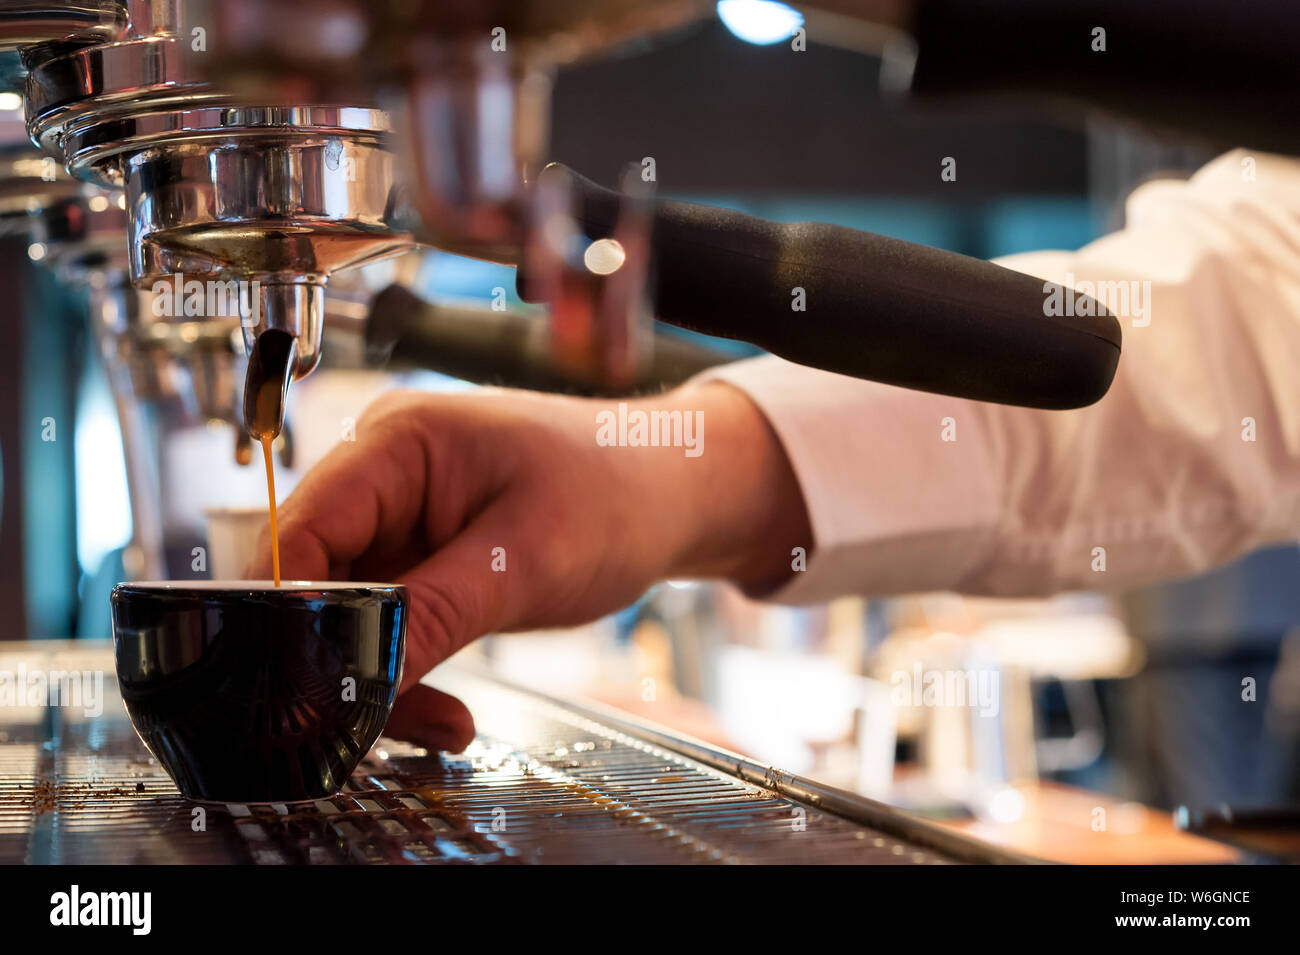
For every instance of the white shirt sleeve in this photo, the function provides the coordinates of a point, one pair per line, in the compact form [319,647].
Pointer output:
[1190,460]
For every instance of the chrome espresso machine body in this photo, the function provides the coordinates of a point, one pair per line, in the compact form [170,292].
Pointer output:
[160,374]
[262,199]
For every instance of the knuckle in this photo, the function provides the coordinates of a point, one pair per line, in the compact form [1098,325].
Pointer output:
[439,619]
[391,406]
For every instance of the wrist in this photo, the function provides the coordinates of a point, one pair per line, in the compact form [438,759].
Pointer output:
[744,509]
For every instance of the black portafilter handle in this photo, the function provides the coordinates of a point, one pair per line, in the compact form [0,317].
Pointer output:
[872,307]
[506,348]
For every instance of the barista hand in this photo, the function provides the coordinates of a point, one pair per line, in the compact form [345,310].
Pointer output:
[438,492]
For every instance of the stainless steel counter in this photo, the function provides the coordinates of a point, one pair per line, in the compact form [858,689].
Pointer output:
[546,781]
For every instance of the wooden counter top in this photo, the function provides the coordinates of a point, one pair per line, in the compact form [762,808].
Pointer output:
[1063,824]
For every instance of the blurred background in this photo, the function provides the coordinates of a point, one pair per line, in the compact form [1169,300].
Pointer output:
[1102,704]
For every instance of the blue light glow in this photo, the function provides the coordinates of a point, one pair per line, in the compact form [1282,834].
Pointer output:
[762,22]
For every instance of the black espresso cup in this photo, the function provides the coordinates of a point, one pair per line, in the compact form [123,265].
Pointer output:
[249,692]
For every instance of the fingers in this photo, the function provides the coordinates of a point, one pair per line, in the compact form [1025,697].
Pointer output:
[364,495]
[432,719]
[456,596]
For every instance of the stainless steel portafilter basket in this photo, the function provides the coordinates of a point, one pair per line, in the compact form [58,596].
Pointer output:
[270,193]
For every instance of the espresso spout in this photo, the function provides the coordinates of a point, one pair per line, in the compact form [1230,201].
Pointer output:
[266,388]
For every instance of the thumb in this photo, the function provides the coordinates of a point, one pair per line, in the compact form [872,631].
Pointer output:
[456,595]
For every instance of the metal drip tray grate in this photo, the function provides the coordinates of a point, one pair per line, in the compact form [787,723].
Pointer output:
[545,782]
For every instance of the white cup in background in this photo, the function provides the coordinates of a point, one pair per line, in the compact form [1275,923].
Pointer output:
[232,539]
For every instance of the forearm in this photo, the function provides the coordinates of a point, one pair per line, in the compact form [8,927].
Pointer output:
[1191,459]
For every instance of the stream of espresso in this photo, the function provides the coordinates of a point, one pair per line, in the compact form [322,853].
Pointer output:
[267,441]
[270,368]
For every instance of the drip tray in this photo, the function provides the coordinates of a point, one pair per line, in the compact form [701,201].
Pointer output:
[545,782]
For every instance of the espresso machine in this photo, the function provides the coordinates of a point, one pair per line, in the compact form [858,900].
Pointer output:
[272,145]
[271,194]
[281,142]
[277,185]
[275,145]
[160,374]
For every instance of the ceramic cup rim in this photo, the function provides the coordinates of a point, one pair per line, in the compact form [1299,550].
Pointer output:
[249,586]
